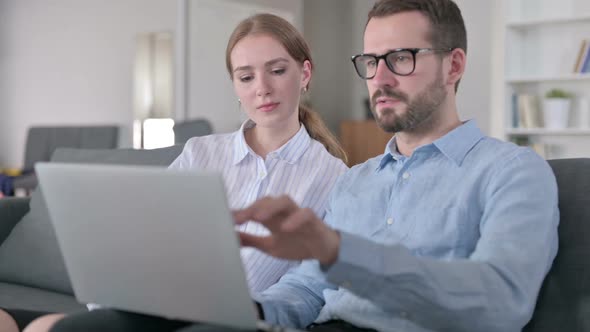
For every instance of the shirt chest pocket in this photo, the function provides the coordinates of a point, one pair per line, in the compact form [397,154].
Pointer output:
[450,231]
[361,214]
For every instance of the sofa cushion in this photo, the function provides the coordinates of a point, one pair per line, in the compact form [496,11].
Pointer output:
[30,255]
[30,298]
[43,141]
[12,209]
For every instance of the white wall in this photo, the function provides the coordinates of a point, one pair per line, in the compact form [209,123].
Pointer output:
[474,96]
[70,62]
[328,29]
[497,68]
[359,92]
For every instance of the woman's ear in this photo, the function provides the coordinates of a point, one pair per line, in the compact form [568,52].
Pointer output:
[305,74]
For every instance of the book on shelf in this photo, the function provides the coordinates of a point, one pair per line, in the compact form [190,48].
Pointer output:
[582,64]
[514,106]
[525,111]
[586,66]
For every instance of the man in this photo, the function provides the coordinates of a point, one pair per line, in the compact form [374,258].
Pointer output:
[448,230]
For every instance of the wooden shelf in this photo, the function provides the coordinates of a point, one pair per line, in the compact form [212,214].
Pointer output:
[548,132]
[547,21]
[557,78]
[540,45]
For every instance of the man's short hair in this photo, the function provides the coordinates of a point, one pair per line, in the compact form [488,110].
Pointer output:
[447,28]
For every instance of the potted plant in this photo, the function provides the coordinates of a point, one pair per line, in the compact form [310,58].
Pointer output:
[556,109]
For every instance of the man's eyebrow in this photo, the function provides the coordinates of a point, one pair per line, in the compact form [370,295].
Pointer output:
[267,64]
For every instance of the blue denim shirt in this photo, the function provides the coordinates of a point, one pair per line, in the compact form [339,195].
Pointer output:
[457,237]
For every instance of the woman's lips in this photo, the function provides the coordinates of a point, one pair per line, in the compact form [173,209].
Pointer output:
[268,107]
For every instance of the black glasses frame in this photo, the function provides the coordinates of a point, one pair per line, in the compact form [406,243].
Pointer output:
[413,51]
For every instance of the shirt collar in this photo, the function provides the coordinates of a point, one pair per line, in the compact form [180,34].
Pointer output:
[391,154]
[289,152]
[457,143]
[454,145]
[241,149]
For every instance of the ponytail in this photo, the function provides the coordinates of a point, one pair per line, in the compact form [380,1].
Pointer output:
[317,130]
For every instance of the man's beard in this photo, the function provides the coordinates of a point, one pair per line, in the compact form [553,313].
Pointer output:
[419,109]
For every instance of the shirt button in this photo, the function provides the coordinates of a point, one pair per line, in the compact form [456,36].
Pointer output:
[390,221]
[403,314]
[262,174]
[406,175]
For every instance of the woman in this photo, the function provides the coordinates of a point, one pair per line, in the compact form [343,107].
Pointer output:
[283,148]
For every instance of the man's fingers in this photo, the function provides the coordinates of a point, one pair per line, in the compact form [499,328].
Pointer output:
[266,210]
[297,220]
[256,211]
[240,217]
[262,243]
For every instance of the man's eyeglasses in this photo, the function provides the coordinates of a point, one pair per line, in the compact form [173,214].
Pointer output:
[401,61]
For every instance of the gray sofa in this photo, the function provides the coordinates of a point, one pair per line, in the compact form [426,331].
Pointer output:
[32,274]
[42,142]
[185,130]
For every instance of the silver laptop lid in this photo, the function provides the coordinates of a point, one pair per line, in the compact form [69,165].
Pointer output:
[149,240]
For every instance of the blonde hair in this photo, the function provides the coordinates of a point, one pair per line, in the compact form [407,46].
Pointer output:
[286,34]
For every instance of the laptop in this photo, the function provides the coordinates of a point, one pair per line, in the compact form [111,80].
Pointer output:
[150,240]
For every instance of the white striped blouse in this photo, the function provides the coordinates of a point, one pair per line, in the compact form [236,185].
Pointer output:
[302,168]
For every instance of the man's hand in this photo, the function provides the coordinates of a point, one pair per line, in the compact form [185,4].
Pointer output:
[296,233]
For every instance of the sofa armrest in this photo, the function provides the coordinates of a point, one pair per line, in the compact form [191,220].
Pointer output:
[12,210]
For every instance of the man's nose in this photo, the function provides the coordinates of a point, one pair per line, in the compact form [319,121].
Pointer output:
[384,76]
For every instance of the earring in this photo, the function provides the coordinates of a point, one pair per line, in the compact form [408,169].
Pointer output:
[304,90]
